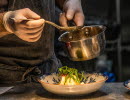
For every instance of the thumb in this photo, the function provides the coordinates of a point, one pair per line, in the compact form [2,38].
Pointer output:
[29,14]
[70,14]
[19,18]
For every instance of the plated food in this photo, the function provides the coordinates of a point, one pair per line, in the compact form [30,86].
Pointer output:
[68,81]
[70,76]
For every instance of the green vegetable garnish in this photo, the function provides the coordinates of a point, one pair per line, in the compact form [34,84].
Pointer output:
[71,73]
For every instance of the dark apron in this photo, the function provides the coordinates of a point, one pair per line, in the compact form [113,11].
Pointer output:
[23,71]
[16,75]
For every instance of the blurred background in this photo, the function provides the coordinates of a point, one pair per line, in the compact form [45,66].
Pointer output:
[115,62]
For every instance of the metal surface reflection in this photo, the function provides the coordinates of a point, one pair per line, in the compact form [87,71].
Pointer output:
[85,44]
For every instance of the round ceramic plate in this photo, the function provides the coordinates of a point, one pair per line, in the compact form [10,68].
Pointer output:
[92,82]
[127,84]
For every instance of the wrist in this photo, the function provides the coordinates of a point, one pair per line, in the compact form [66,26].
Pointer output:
[3,31]
[2,28]
[6,17]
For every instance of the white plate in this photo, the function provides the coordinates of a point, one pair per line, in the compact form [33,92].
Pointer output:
[93,82]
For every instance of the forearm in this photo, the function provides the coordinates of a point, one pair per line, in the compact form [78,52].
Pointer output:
[3,31]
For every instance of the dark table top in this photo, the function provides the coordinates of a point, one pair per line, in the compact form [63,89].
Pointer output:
[110,91]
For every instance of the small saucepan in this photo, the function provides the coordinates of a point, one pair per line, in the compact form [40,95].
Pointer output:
[84,44]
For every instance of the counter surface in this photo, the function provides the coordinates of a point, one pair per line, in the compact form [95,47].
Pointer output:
[110,91]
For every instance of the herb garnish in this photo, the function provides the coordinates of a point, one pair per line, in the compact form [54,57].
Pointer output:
[71,73]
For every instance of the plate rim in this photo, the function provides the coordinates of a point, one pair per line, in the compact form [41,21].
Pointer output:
[126,85]
[104,80]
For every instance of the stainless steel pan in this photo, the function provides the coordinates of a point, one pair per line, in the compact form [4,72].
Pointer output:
[85,44]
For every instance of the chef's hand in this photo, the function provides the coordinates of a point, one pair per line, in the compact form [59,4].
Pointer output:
[72,10]
[26,30]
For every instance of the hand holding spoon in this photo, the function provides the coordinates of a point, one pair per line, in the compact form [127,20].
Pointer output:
[70,28]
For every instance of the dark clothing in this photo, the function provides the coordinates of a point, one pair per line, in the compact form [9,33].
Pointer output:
[3,5]
[14,75]
[16,53]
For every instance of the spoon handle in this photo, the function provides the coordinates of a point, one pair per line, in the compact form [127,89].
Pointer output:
[55,25]
[48,22]
[70,28]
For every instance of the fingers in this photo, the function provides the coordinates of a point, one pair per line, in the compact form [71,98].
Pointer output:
[30,37]
[30,30]
[36,38]
[70,14]
[26,30]
[73,11]
[34,23]
[34,35]
[23,29]
[25,13]
[63,20]
[79,19]
[30,14]
[31,24]
[17,19]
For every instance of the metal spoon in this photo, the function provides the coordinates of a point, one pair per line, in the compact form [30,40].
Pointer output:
[70,28]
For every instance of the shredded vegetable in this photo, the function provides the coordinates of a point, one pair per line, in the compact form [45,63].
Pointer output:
[71,73]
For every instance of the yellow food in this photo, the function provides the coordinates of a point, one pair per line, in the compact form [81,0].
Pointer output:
[69,81]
